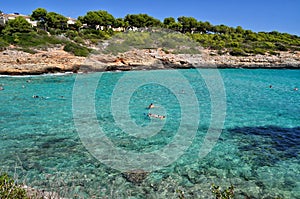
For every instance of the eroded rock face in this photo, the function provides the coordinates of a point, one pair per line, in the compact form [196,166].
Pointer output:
[282,60]
[15,62]
[159,59]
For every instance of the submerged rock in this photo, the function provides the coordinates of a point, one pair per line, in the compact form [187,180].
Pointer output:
[136,176]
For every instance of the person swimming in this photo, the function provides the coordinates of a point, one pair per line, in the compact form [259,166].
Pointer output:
[156,116]
[151,106]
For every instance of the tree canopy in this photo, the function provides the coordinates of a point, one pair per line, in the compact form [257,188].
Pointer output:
[18,24]
[188,23]
[142,20]
[55,20]
[39,14]
[97,18]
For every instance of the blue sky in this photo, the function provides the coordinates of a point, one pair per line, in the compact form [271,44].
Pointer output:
[256,15]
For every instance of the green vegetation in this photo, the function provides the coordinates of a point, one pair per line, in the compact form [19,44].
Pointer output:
[222,194]
[97,26]
[8,188]
[141,21]
[31,39]
[18,25]
[169,42]
[248,42]
[76,49]
[97,18]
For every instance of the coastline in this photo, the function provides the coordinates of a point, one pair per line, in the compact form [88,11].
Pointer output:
[52,61]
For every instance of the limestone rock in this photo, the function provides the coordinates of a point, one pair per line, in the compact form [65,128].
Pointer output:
[52,60]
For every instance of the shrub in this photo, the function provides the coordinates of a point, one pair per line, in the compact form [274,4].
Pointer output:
[259,51]
[18,24]
[42,32]
[78,39]
[27,50]
[8,188]
[234,44]
[71,34]
[237,52]
[3,44]
[271,52]
[223,194]
[281,47]
[76,49]
[27,40]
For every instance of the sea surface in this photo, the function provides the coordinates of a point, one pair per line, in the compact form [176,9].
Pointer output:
[89,135]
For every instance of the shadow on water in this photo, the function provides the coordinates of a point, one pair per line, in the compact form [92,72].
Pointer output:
[267,145]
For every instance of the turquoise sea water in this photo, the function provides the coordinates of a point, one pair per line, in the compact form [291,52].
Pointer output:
[257,151]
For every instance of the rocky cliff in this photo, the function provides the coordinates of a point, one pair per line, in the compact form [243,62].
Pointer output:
[16,62]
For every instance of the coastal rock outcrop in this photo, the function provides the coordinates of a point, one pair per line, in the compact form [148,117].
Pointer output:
[15,62]
[159,59]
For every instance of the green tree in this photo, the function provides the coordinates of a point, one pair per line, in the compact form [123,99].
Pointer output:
[221,29]
[175,26]
[55,20]
[252,37]
[39,15]
[168,21]
[141,20]
[75,26]
[18,24]
[239,30]
[203,27]
[91,19]
[97,18]
[188,23]
[119,22]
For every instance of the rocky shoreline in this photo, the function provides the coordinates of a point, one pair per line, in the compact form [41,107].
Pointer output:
[14,62]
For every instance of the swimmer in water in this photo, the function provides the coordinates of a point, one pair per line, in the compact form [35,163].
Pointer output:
[156,116]
[151,106]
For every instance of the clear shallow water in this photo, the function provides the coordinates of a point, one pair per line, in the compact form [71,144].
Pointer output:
[257,152]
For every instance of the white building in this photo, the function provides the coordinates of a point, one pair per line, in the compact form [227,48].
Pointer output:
[71,21]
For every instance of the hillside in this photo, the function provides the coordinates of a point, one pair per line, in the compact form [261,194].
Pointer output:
[136,42]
